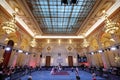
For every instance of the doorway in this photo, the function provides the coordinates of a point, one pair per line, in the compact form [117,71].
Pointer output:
[70,60]
[48,59]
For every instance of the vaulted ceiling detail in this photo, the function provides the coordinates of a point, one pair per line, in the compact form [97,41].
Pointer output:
[50,17]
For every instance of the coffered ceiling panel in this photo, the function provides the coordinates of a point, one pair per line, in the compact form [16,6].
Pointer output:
[54,17]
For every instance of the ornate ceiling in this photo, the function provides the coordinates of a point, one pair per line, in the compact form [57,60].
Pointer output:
[51,18]
[53,21]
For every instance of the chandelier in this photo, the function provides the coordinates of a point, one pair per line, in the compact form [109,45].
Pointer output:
[33,43]
[110,26]
[9,26]
[117,59]
[85,43]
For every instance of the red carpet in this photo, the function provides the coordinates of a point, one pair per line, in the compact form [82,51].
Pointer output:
[61,73]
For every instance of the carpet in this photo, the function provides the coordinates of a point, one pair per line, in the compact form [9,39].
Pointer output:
[61,73]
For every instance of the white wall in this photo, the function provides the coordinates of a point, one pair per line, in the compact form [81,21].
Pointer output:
[59,49]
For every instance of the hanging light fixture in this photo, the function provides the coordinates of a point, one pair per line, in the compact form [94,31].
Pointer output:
[33,43]
[85,42]
[110,26]
[10,26]
[117,59]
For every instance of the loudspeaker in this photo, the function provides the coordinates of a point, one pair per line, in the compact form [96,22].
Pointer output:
[64,2]
[73,2]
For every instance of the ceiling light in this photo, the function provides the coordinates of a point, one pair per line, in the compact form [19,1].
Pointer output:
[33,43]
[20,51]
[92,53]
[59,37]
[70,41]
[7,7]
[9,26]
[7,48]
[85,43]
[117,59]
[113,48]
[26,53]
[110,26]
[48,41]
[59,41]
[112,9]
[100,51]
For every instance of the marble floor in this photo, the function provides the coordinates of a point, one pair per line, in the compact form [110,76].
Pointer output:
[45,75]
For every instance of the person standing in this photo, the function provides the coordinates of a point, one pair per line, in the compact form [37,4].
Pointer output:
[77,73]
[72,69]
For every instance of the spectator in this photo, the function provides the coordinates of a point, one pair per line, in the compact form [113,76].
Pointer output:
[93,76]
[30,77]
[77,70]
[72,69]
[77,74]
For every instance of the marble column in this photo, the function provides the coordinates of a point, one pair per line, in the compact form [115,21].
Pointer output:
[7,53]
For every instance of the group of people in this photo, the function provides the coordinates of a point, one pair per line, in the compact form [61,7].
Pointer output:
[59,68]
[56,69]
[77,74]
[13,72]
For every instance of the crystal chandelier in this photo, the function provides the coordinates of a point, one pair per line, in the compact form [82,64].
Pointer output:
[117,59]
[9,26]
[33,43]
[110,26]
[85,43]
